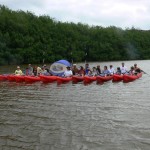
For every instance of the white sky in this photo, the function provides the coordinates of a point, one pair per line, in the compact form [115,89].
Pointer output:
[119,13]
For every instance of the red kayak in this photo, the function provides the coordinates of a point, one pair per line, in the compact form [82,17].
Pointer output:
[3,77]
[31,79]
[63,79]
[130,78]
[77,79]
[48,79]
[11,78]
[103,78]
[89,79]
[117,78]
[20,78]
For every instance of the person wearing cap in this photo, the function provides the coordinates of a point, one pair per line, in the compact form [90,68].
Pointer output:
[18,71]
[68,72]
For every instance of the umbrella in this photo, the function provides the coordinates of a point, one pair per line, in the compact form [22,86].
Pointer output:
[58,67]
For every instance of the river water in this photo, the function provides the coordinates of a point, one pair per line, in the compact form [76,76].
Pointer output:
[112,116]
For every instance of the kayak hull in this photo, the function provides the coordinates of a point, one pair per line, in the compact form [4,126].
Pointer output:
[77,79]
[63,80]
[88,79]
[3,77]
[117,78]
[11,78]
[31,79]
[104,78]
[19,78]
[130,78]
[48,79]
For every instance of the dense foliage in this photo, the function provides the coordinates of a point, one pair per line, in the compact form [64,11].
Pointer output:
[27,38]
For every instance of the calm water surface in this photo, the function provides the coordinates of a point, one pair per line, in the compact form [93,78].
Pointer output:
[112,116]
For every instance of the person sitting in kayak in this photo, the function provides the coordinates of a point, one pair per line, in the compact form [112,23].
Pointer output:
[18,71]
[94,71]
[118,71]
[37,70]
[87,69]
[75,70]
[30,70]
[81,71]
[105,72]
[46,68]
[137,69]
[44,71]
[123,68]
[90,73]
[68,72]
[111,70]
[98,69]
[132,71]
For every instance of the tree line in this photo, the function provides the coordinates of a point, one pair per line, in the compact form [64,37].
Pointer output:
[27,38]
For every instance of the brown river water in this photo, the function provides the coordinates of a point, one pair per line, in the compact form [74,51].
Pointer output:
[112,116]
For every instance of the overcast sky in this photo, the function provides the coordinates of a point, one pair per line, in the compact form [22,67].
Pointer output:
[119,13]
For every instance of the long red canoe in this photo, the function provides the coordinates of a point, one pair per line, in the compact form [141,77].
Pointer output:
[3,77]
[48,79]
[11,78]
[89,79]
[31,79]
[103,78]
[77,79]
[63,79]
[130,78]
[20,78]
[117,78]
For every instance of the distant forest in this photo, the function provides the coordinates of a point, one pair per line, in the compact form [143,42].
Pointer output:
[27,38]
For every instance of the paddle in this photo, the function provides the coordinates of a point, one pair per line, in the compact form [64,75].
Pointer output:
[144,72]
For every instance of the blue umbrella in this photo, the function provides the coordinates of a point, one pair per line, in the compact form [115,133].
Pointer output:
[58,68]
